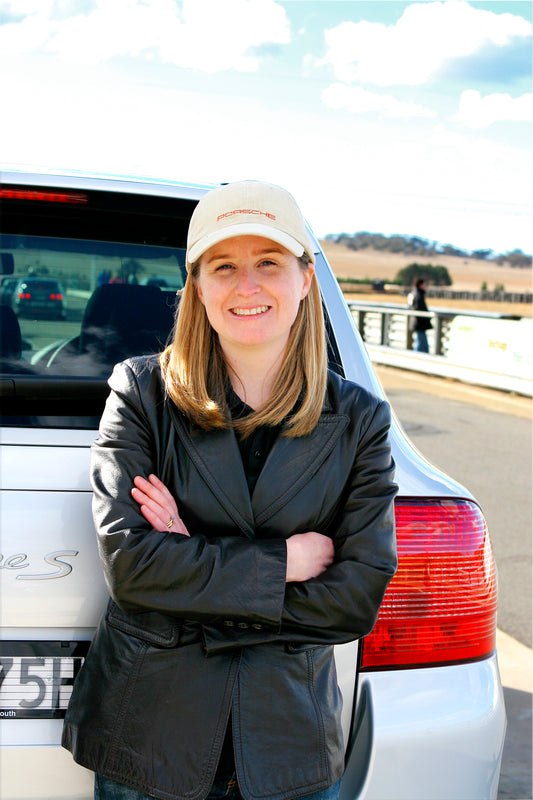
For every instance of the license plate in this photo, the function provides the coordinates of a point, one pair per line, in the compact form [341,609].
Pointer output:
[36,678]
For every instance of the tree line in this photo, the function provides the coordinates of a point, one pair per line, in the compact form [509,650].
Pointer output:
[418,246]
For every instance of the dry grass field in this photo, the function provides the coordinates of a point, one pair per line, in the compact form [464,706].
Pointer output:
[466,273]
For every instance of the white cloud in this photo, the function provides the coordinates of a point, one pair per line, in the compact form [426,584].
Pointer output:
[480,112]
[207,35]
[20,8]
[460,188]
[415,48]
[360,101]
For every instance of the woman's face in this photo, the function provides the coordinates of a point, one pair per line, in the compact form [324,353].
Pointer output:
[251,288]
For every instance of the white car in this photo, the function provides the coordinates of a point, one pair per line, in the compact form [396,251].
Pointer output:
[423,710]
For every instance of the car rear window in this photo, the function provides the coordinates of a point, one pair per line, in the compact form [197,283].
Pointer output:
[95,281]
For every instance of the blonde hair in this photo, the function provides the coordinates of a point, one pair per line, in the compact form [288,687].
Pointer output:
[195,377]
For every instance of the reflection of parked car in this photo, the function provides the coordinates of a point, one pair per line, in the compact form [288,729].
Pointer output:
[6,290]
[39,296]
[423,713]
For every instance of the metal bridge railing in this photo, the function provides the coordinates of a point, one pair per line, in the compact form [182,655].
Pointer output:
[385,329]
[387,324]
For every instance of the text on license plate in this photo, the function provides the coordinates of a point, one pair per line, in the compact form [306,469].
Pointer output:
[36,679]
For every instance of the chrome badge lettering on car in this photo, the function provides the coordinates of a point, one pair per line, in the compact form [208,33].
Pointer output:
[54,559]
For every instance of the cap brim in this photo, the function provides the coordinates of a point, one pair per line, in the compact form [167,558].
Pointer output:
[246,229]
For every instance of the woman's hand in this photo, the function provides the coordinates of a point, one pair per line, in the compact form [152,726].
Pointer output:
[157,505]
[308,555]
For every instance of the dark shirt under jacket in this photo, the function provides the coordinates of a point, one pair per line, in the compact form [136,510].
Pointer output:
[255,447]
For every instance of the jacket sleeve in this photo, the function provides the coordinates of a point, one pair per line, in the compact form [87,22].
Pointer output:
[197,578]
[342,604]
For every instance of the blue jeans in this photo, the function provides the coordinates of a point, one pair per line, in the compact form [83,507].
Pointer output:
[106,789]
[421,342]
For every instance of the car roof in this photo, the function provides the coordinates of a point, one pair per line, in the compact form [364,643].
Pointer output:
[106,182]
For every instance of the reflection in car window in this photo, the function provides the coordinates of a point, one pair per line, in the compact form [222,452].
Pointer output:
[71,310]
[75,308]
[38,297]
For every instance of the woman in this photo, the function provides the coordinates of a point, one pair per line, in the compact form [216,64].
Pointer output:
[243,500]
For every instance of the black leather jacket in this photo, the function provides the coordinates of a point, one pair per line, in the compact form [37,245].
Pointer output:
[200,627]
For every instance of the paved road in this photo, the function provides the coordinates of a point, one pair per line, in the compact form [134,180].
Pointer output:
[483,439]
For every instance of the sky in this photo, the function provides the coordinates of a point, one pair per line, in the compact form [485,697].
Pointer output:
[392,117]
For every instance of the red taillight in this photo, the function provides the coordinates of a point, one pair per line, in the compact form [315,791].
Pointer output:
[56,297]
[24,296]
[440,607]
[49,197]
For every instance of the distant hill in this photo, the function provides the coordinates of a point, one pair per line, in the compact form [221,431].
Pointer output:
[423,248]
[467,273]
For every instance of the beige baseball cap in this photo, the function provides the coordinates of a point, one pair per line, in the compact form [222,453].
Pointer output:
[247,208]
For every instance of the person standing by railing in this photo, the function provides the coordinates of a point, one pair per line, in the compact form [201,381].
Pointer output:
[416,300]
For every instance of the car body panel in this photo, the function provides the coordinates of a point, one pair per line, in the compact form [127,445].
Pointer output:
[427,734]
[49,553]
[42,772]
[52,469]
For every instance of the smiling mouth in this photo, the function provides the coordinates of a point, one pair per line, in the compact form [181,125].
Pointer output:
[249,312]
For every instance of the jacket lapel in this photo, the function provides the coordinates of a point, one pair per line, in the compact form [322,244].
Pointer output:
[292,463]
[216,456]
